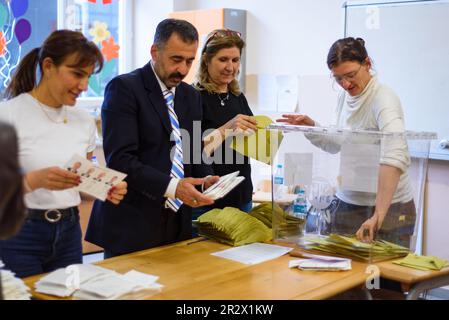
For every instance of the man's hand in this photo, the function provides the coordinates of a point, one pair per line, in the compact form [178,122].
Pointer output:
[186,192]
[209,181]
[53,178]
[117,192]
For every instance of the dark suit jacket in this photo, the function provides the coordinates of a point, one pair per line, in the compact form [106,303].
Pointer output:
[136,141]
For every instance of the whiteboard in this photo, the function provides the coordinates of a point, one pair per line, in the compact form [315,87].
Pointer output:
[409,44]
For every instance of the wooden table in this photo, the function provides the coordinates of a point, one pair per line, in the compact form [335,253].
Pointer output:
[189,271]
[412,280]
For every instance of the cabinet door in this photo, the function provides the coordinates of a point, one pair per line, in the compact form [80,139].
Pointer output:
[204,21]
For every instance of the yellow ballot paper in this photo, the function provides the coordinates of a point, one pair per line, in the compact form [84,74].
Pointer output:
[423,262]
[262,145]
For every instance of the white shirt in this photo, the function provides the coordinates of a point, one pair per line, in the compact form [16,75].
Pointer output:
[44,143]
[173,184]
[377,108]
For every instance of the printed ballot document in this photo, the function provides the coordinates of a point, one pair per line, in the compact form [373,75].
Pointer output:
[95,180]
[224,185]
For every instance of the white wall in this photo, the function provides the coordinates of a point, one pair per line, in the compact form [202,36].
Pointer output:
[147,14]
[283,36]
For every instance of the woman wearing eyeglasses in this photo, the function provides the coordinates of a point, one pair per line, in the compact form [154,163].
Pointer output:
[365,103]
[226,113]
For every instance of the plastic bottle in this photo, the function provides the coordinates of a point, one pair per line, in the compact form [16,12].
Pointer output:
[278,181]
[300,204]
[94,161]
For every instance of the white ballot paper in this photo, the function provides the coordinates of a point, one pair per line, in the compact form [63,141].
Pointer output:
[224,185]
[321,263]
[253,253]
[95,180]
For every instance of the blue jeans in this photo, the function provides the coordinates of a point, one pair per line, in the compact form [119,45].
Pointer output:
[41,246]
[196,212]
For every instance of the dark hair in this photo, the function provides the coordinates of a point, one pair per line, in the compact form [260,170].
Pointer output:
[59,45]
[347,49]
[184,29]
[217,40]
[12,208]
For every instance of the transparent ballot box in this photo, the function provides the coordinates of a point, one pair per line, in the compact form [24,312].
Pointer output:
[328,182]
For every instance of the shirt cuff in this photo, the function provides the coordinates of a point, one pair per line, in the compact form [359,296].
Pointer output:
[171,189]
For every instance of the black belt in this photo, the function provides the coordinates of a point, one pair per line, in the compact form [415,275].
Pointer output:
[52,215]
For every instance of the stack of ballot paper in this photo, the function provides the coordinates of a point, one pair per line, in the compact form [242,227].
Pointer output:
[114,286]
[89,282]
[65,281]
[13,288]
[224,185]
[424,263]
[351,247]
[232,226]
[321,263]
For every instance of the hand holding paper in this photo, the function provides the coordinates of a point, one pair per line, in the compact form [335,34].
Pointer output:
[224,185]
[53,178]
[186,192]
[99,182]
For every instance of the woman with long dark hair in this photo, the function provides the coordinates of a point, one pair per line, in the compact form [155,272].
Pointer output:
[50,131]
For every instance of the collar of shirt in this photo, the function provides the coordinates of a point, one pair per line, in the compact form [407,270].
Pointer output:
[161,84]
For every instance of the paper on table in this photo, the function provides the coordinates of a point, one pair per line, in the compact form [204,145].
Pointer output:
[253,253]
[321,265]
[132,285]
[324,258]
[95,180]
[59,282]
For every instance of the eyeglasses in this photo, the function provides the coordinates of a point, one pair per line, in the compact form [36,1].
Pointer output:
[222,34]
[348,77]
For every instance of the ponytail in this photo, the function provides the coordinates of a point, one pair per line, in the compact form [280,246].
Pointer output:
[347,49]
[24,78]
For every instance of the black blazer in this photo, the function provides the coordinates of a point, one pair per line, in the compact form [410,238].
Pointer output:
[136,141]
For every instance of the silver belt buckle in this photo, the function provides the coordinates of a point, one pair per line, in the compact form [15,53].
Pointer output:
[53,220]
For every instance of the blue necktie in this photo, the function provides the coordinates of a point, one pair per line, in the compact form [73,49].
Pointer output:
[177,169]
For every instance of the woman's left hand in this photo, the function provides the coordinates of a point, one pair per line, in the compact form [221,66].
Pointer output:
[117,192]
[367,232]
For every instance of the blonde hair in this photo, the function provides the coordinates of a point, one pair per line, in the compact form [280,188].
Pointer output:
[217,40]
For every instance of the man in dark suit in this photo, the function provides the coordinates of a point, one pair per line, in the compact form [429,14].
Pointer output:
[140,123]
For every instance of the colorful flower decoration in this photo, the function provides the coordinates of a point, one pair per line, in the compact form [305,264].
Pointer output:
[2,44]
[110,49]
[15,29]
[104,1]
[100,32]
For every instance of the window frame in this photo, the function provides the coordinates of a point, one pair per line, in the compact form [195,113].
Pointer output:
[125,43]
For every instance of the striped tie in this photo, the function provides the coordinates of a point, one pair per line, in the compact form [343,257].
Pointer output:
[177,169]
